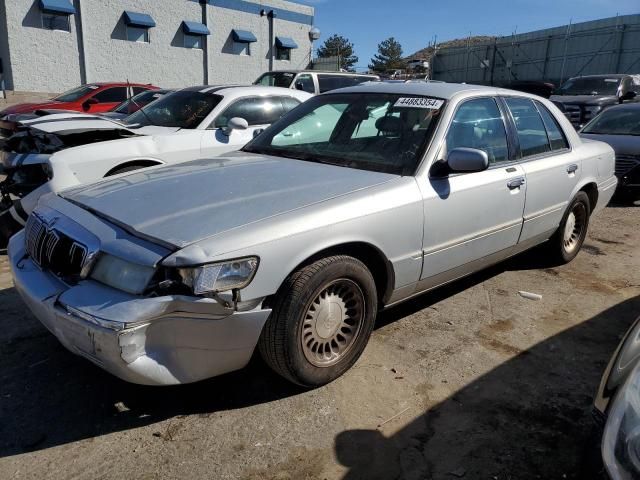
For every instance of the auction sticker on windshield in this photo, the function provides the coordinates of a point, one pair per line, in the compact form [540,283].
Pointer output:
[419,102]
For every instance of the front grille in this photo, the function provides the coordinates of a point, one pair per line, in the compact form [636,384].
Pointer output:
[626,163]
[574,114]
[52,250]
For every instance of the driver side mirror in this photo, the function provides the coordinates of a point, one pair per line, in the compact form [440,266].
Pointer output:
[467,160]
[88,102]
[236,123]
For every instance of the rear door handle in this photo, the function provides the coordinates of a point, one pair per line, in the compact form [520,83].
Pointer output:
[515,183]
[572,168]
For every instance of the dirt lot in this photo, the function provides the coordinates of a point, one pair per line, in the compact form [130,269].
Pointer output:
[471,381]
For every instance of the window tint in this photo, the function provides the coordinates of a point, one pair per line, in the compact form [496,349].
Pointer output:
[137,90]
[531,131]
[115,94]
[554,132]
[478,124]
[304,82]
[256,111]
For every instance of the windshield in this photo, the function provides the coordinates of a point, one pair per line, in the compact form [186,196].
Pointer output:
[615,121]
[370,131]
[590,86]
[183,109]
[76,93]
[137,101]
[276,79]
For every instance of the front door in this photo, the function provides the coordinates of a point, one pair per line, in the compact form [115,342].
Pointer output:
[472,217]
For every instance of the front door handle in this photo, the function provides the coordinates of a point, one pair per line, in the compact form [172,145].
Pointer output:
[515,183]
[572,168]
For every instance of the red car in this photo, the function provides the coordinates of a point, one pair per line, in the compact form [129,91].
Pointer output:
[90,98]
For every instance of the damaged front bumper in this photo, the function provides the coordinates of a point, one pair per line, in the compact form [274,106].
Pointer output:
[151,341]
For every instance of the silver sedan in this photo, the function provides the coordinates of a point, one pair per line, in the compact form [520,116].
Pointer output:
[356,200]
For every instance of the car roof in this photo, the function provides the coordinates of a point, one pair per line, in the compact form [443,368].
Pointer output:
[625,106]
[613,75]
[121,84]
[438,90]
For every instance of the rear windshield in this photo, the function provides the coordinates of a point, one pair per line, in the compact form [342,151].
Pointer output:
[615,121]
[276,79]
[76,93]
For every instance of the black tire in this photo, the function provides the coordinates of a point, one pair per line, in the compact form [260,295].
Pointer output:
[564,251]
[129,168]
[291,321]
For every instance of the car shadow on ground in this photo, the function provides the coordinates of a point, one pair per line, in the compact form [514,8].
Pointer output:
[50,397]
[529,418]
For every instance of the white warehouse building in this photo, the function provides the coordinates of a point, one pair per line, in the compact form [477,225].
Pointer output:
[54,45]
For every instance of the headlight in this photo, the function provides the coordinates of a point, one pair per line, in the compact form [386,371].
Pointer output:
[621,440]
[121,274]
[220,277]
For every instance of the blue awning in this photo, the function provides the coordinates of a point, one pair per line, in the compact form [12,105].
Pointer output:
[285,42]
[195,28]
[64,7]
[243,36]
[138,19]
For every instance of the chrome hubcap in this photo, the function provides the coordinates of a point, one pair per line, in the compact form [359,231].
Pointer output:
[332,322]
[574,227]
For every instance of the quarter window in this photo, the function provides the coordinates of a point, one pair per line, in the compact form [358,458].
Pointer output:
[557,140]
[478,124]
[112,95]
[530,127]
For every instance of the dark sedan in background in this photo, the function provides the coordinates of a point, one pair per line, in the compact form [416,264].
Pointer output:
[619,126]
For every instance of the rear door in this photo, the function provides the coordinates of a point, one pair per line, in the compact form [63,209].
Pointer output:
[470,217]
[552,171]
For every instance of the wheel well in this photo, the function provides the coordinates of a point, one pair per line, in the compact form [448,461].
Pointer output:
[377,263]
[132,163]
[591,189]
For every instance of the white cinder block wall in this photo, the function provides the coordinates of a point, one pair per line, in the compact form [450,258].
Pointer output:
[36,59]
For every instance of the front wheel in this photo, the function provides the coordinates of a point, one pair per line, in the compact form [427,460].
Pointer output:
[321,321]
[568,239]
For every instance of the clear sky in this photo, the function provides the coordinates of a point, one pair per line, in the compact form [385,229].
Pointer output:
[415,22]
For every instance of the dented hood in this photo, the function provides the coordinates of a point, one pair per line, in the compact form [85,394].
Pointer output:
[182,204]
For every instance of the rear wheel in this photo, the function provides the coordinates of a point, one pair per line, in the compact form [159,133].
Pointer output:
[568,239]
[321,321]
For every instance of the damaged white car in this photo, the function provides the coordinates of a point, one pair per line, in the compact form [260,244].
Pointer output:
[56,152]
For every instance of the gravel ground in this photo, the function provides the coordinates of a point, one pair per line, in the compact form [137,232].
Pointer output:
[470,381]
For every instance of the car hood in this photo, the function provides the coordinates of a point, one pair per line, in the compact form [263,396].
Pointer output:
[67,123]
[30,107]
[585,99]
[182,204]
[621,144]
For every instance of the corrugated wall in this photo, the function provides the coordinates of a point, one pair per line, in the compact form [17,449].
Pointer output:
[610,45]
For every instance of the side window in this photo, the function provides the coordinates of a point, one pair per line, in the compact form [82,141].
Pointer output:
[304,82]
[478,124]
[112,95]
[556,137]
[137,90]
[531,132]
[256,111]
[332,82]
